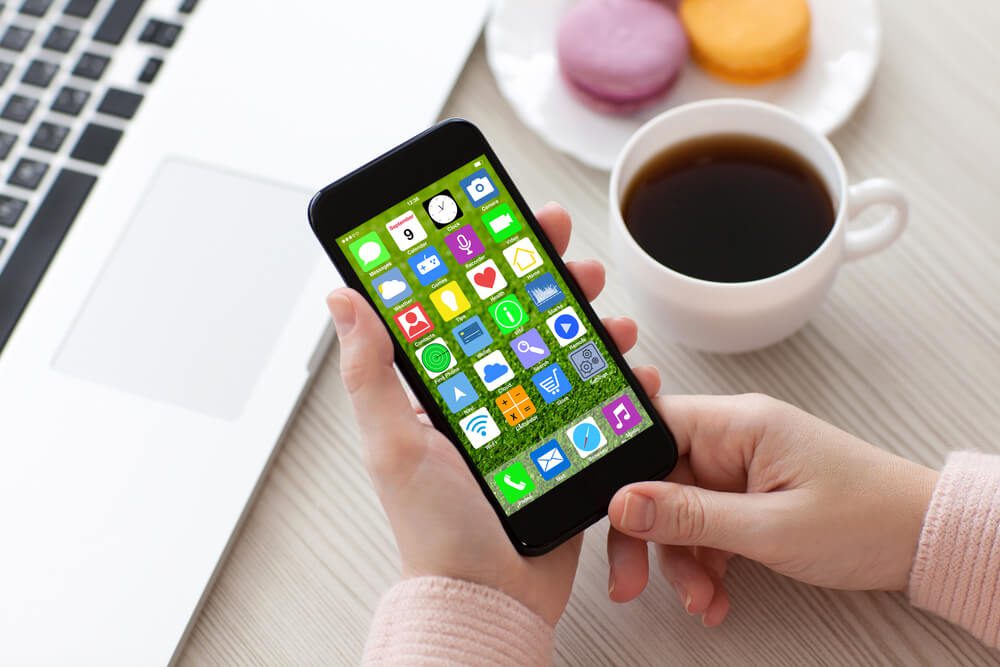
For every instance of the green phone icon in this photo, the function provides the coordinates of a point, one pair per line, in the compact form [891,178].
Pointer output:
[501,222]
[508,313]
[369,251]
[514,482]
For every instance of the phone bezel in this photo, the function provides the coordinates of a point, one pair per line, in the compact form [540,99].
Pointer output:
[395,176]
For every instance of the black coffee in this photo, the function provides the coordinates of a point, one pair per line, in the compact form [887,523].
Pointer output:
[728,208]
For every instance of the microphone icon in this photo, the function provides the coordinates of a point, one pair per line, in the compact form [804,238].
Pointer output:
[464,244]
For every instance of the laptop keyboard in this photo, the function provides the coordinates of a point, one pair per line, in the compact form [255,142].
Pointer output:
[73,73]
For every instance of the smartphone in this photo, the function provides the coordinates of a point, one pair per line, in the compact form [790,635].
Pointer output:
[492,334]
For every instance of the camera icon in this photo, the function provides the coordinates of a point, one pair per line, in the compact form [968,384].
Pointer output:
[479,188]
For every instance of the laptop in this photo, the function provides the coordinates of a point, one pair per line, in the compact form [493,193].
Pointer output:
[161,297]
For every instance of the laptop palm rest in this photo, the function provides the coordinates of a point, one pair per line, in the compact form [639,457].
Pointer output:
[196,294]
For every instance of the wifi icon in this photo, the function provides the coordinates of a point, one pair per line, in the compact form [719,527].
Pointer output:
[479,425]
[479,428]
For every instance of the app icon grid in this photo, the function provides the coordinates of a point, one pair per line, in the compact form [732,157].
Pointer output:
[431,264]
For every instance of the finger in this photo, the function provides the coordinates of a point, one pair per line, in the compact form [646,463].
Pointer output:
[733,422]
[366,366]
[556,224]
[715,560]
[649,378]
[669,513]
[624,332]
[690,579]
[589,275]
[628,564]
[718,607]
[682,473]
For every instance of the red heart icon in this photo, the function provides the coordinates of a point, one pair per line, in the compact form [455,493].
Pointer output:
[486,278]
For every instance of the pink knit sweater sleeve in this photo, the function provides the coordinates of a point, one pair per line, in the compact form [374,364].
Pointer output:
[440,621]
[956,573]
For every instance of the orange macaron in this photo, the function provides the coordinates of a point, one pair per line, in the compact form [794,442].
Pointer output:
[747,41]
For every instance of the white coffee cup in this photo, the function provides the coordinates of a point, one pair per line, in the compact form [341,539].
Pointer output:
[738,317]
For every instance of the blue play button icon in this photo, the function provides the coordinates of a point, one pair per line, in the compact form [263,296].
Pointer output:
[565,326]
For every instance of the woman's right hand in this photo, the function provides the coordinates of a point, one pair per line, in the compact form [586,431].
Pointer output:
[762,479]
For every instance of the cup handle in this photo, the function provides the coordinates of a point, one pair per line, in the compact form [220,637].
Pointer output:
[862,242]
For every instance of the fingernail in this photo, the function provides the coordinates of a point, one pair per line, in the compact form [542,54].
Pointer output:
[611,581]
[704,620]
[683,596]
[639,513]
[342,311]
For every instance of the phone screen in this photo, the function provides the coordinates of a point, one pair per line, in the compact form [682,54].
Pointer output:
[502,344]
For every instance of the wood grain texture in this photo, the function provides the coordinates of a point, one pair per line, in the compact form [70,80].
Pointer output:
[906,354]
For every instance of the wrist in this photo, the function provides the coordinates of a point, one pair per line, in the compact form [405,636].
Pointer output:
[915,491]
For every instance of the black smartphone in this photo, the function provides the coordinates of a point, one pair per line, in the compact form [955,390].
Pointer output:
[492,333]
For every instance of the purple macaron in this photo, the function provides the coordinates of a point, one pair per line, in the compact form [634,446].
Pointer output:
[618,56]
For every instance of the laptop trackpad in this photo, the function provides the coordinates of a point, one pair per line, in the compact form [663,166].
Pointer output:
[197,292]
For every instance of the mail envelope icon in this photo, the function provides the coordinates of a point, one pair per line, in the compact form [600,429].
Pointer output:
[550,460]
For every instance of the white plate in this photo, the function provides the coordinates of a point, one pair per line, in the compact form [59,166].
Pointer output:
[520,47]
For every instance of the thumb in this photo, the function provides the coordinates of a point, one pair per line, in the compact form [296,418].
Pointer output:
[366,365]
[678,514]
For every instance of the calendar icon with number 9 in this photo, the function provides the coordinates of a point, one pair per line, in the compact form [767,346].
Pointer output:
[406,230]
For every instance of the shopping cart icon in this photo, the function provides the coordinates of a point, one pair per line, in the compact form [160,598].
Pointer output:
[551,382]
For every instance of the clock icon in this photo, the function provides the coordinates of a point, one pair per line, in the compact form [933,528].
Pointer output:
[442,209]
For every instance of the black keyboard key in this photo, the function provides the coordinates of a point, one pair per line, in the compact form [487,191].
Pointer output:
[28,173]
[19,108]
[40,73]
[117,21]
[120,103]
[150,70]
[35,7]
[61,39]
[41,239]
[70,101]
[187,6]
[80,8]
[16,38]
[91,66]
[11,209]
[160,33]
[49,137]
[5,69]
[96,144]
[7,141]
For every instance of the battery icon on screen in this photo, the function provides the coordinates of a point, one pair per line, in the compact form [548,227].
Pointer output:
[478,163]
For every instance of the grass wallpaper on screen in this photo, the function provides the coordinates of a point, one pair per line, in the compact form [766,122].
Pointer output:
[550,420]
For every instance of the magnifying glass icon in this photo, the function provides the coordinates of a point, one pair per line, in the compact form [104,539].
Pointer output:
[524,346]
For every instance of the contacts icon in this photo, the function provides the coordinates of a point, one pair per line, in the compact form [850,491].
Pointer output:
[413,322]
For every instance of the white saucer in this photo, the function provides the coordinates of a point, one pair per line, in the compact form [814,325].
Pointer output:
[520,48]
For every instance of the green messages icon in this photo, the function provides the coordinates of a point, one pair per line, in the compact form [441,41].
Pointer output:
[508,313]
[501,222]
[369,251]
[514,482]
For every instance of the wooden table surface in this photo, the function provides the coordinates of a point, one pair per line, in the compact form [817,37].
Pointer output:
[906,354]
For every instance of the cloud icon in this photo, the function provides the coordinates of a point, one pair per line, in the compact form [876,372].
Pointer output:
[369,252]
[493,372]
[390,289]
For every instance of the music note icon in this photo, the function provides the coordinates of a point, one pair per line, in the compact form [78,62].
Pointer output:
[621,412]
[622,415]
